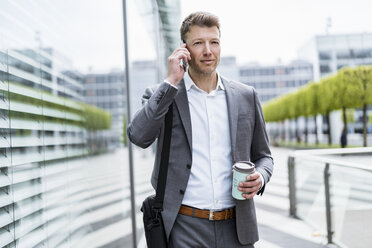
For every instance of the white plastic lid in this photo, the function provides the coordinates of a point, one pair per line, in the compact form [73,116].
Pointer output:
[244,167]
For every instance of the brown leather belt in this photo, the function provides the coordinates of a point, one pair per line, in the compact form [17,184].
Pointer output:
[206,214]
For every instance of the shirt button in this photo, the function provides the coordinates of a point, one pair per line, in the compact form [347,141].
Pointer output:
[188,166]
[182,191]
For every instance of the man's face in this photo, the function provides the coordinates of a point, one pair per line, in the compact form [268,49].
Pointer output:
[203,44]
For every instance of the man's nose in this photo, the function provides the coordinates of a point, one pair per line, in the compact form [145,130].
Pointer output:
[207,49]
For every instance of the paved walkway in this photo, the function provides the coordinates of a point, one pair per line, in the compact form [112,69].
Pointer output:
[277,229]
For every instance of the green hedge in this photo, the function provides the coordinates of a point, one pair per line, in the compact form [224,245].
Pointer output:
[39,99]
[93,118]
[96,118]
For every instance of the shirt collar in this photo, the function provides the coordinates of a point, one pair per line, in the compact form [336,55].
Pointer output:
[190,84]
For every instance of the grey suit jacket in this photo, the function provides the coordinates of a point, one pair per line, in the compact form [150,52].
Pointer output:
[248,142]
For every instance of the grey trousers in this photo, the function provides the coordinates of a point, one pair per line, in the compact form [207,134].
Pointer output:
[192,232]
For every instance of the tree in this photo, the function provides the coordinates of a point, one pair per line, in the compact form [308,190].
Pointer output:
[96,118]
[301,110]
[359,89]
[312,104]
[289,108]
[350,88]
[125,141]
[345,100]
[327,95]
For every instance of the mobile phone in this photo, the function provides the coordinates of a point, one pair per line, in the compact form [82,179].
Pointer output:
[183,63]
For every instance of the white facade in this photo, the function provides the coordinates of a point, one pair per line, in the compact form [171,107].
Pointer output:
[275,80]
[329,53]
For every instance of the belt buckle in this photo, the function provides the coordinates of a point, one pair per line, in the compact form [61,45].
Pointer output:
[210,214]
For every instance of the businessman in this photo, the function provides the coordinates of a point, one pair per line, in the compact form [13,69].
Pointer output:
[216,122]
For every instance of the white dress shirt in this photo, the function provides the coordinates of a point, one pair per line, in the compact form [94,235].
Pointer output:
[209,185]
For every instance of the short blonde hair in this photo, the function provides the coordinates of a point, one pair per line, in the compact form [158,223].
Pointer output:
[201,19]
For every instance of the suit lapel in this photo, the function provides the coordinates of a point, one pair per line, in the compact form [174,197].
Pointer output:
[183,108]
[232,107]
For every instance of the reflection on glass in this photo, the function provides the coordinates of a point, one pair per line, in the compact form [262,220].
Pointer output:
[351,194]
[310,193]
[58,187]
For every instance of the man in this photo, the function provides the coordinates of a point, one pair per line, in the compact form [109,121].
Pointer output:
[216,122]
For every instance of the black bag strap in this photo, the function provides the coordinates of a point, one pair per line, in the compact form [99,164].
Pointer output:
[164,159]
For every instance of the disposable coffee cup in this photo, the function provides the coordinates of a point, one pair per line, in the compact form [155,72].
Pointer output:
[241,170]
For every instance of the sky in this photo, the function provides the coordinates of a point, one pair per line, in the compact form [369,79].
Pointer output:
[264,31]
[269,30]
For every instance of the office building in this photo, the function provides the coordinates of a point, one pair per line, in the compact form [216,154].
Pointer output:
[329,53]
[229,68]
[107,91]
[274,80]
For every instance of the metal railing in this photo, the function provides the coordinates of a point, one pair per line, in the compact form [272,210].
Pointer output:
[331,189]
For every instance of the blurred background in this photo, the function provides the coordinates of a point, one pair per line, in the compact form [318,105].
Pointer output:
[64,161]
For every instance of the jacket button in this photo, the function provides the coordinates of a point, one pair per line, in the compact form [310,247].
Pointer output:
[182,192]
[188,166]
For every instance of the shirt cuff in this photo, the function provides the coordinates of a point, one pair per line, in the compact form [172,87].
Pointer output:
[262,180]
[170,84]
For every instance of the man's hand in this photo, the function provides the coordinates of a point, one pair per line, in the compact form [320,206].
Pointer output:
[251,187]
[175,71]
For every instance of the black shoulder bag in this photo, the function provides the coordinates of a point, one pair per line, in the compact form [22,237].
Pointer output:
[152,206]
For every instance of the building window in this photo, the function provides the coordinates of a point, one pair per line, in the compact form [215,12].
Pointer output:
[363,53]
[90,80]
[290,84]
[345,54]
[280,84]
[325,69]
[325,55]
[279,71]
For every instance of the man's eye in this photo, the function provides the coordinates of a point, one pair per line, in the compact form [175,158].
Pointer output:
[197,43]
[215,42]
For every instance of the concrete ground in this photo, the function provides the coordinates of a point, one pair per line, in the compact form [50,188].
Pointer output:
[276,227]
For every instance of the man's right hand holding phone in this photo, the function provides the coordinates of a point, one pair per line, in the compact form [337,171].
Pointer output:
[175,71]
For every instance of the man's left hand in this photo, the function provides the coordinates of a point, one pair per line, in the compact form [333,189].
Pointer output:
[251,186]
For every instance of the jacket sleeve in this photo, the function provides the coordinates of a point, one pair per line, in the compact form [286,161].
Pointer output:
[260,151]
[145,126]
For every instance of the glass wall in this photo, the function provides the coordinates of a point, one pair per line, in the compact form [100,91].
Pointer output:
[310,193]
[352,206]
[63,168]
[347,178]
[56,190]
